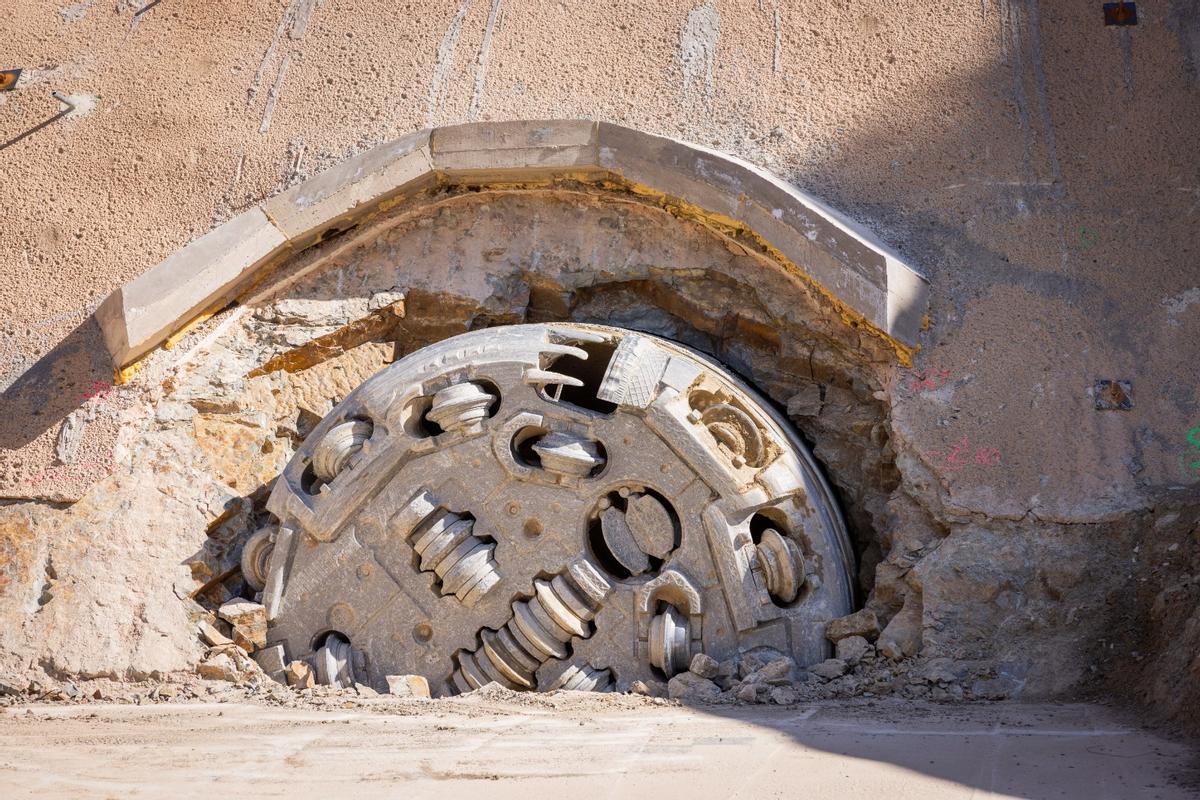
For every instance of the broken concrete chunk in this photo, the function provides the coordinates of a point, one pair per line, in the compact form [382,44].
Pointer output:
[249,621]
[688,687]
[365,691]
[852,649]
[829,669]
[862,623]
[705,666]
[300,675]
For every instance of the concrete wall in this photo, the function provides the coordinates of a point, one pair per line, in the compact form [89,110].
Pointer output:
[1039,167]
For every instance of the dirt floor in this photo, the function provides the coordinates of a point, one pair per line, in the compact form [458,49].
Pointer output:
[585,746]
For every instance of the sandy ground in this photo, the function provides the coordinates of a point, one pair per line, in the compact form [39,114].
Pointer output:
[581,748]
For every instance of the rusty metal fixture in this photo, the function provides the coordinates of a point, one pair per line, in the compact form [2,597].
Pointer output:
[550,506]
[256,555]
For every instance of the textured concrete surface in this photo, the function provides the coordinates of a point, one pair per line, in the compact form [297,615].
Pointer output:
[571,747]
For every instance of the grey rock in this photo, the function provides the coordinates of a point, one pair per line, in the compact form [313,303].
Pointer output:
[784,695]
[829,669]
[705,666]
[755,659]
[748,692]
[688,687]
[862,623]
[852,649]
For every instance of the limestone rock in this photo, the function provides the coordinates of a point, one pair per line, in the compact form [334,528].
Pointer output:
[749,692]
[249,621]
[270,659]
[226,664]
[756,658]
[688,687]
[300,675]
[852,649]
[705,666]
[408,686]
[778,672]
[212,636]
[829,669]
[784,695]
[862,623]
[902,637]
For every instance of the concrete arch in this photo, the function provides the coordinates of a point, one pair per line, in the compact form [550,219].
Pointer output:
[867,284]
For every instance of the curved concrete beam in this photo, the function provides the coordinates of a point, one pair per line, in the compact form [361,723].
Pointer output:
[864,279]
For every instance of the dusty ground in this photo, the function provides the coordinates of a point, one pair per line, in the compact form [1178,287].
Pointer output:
[585,746]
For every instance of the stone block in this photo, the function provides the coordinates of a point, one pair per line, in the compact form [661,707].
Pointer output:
[202,275]
[862,623]
[705,666]
[249,621]
[300,675]
[829,669]
[408,686]
[852,649]
[271,659]
[211,635]
[688,687]
[514,151]
[338,197]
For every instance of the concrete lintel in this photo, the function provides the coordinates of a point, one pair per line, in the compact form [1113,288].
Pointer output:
[143,313]
[335,198]
[836,254]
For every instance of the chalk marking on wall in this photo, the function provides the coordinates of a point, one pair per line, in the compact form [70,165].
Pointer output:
[273,95]
[698,49]
[293,22]
[444,65]
[481,61]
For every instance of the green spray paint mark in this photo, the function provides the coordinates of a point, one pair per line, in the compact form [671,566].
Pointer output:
[1087,238]
[1189,460]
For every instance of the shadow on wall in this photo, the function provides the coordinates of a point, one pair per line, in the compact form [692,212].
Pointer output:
[59,382]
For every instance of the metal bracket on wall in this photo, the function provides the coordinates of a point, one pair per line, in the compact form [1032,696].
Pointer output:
[1120,13]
